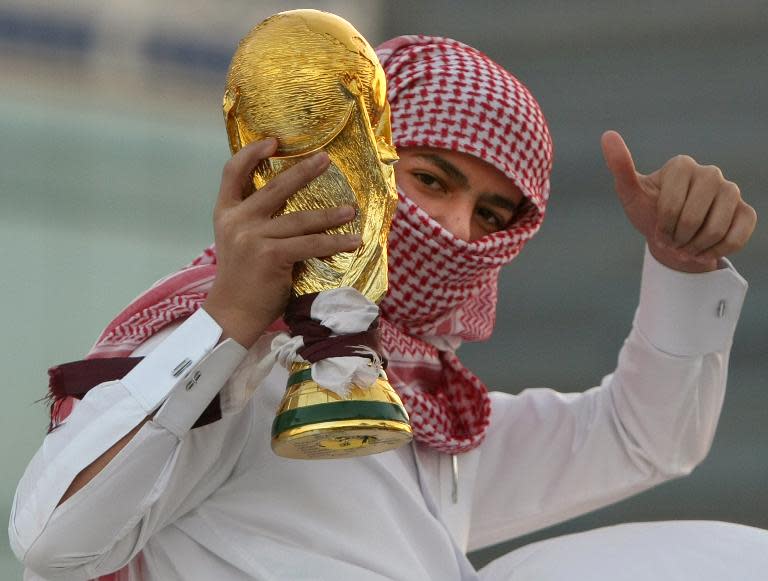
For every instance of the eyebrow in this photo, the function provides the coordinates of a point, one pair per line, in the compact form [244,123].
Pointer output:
[451,170]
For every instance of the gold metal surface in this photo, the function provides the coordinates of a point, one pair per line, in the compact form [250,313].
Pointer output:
[341,439]
[309,79]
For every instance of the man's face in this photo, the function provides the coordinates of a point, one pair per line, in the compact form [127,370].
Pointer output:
[465,195]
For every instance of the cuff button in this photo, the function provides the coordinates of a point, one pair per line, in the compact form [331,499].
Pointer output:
[179,369]
[191,383]
[720,309]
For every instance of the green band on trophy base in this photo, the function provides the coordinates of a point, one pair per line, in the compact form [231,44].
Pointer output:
[347,410]
[298,377]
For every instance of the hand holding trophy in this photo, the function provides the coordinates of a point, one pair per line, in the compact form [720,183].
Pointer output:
[310,80]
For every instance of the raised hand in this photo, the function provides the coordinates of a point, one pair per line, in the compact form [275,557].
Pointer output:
[690,215]
[255,251]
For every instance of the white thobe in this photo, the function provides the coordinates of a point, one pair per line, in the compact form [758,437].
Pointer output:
[215,502]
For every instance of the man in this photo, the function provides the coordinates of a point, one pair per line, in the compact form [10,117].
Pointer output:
[134,480]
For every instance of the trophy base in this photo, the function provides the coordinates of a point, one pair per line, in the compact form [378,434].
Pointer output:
[342,439]
[315,423]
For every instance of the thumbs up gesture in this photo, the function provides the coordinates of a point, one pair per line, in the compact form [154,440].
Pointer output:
[690,215]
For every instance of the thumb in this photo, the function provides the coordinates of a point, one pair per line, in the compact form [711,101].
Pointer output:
[619,161]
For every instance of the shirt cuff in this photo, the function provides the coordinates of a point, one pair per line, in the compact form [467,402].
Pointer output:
[689,314]
[183,373]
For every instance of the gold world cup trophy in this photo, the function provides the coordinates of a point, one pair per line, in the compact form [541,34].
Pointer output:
[310,80]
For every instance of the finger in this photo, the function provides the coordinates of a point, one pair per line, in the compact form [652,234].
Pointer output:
[301,248]
[703,188]
[619,161]
[675,181]
[718,220]
[236,180]
[273,196]
[741,229]
[308,222]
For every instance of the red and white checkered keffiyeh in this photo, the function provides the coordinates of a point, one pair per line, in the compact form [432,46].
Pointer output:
[443,94]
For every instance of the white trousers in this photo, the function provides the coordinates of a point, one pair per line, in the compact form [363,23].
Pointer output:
[657,551]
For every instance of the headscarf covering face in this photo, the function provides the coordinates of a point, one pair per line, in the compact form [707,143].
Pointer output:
[445,94]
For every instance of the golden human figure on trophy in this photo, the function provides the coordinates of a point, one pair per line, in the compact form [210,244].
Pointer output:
[310,80]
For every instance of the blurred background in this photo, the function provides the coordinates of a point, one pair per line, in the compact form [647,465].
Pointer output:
[112,143]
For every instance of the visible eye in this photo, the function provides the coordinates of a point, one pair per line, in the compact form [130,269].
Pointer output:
[429,180]
[491,221]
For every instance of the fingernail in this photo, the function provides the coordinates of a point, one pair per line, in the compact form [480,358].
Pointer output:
[345,213]
[320,159]
[268,143]
[355,239]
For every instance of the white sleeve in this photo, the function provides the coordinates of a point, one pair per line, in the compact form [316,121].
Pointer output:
[163,472]
[550,456]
